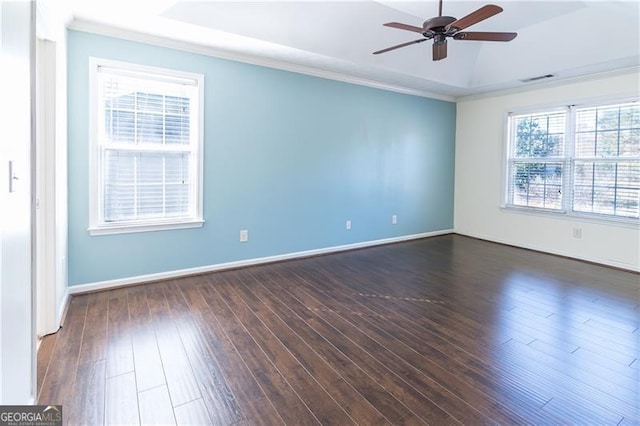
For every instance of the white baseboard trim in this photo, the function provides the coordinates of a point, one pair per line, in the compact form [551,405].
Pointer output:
[605,262]
[121,282]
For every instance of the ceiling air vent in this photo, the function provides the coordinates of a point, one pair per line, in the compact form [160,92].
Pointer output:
[540,77]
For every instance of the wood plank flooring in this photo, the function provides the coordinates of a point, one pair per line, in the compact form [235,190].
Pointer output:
[444,330]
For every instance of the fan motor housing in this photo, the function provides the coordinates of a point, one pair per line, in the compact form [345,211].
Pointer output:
[437,24]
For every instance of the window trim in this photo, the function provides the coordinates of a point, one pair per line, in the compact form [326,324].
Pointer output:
[566,212]
[96,224]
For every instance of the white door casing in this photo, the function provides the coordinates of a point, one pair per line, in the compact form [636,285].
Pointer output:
[45,198]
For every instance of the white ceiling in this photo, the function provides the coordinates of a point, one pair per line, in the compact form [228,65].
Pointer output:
[564,38]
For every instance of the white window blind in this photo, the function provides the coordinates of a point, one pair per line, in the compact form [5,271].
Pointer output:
[147,147]
[578,160]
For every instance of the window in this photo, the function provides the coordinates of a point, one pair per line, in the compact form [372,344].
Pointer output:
[606,172]
[537,163]
[579,160]
[146,148]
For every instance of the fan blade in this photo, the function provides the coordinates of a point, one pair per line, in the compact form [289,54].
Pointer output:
[402,26]
[474,17]
[399,46]
[439,50]
[481,36]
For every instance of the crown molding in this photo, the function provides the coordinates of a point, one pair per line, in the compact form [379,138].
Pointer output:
[84,25]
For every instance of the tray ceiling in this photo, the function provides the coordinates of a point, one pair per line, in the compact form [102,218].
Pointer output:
[561,38]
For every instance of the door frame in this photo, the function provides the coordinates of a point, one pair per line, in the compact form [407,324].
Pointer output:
[45,188]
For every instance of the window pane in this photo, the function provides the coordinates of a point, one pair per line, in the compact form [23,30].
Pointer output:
[119,125]
[150,167]
[607,143]
[118,100]
[177,105]
[586,120]
[178,192]
[119,186]
[150,201]
[630,117]
[611,131]
[608,118]
[607,188]
[178,200]
[149,128]
[627,202]
[138,110]
[627,189]
[539,136]
[630,143]
[143,185]
[586,144]
[537,185]
[177,129]
[553,197]
[150,102]
[177,168]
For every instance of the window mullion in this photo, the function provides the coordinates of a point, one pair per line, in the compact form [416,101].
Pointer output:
[136,199]
[615,187]
[569,155]
[593,185]
[164,186]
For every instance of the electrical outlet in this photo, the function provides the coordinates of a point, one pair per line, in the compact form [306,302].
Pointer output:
[394,219]
[244,236]
[577,232]
[348,225]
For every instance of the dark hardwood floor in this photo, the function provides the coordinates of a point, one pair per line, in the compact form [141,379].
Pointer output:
[445,330]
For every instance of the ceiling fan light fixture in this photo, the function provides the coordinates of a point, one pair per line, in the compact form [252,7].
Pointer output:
[440,27]
[439,47]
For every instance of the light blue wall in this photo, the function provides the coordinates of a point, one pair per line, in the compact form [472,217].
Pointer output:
[287,156]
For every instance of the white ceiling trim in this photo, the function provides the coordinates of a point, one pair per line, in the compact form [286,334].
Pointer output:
[156,40]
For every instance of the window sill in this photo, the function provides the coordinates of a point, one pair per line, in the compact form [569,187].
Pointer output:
[579,217]
[144,227]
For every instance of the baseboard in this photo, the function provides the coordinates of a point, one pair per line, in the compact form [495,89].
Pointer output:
[604,262]
[103,285]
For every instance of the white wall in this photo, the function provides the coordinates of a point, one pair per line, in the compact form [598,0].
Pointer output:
[17,343]
[480,145]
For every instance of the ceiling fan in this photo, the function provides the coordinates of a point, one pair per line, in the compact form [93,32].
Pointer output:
[441,27]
